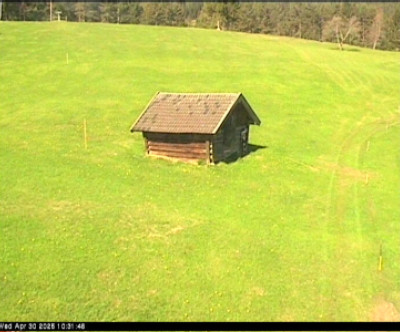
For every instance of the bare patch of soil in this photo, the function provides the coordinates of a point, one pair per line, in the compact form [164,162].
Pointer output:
[347,172]
[385,311]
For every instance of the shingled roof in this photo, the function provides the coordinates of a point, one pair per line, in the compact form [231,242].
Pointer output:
[198,113]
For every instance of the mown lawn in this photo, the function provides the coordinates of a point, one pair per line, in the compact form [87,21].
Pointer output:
[290,233]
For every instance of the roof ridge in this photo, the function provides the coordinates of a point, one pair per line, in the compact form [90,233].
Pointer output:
[200,93]
[174,112]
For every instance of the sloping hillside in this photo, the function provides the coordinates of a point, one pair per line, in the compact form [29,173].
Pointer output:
[291,232]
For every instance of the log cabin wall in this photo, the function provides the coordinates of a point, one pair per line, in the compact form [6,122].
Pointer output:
[179,146]
[227,142]
[217,150]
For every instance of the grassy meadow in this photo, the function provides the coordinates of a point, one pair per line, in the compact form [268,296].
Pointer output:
[291,232]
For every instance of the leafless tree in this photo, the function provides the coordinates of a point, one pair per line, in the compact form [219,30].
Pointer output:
[80,11]
[341,29]
[376,29]
[51,10]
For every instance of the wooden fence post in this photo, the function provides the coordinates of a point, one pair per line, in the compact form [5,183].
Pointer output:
[85,132]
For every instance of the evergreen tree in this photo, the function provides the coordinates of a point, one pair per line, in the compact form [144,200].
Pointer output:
[264,12]
[135,12]
[210,15]
[80,11]
[153,13]
[106,12]
[247,18]
[376,25]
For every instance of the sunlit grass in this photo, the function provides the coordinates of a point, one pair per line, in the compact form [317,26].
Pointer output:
[291,232]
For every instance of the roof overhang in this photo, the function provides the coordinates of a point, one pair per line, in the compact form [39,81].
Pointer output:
[240,99]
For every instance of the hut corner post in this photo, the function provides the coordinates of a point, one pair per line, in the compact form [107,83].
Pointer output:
[146,143]
[210,154]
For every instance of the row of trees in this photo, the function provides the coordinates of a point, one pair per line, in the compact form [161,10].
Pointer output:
[375,25]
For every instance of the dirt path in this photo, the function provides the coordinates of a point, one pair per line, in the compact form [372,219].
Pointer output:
[344,205]
[347,171]
[343,209]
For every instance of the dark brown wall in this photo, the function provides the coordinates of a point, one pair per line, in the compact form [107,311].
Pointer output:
[227,142]
[180,146]
[241,115]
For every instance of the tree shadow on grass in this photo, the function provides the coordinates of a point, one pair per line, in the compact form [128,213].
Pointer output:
[252,148]
[345,49]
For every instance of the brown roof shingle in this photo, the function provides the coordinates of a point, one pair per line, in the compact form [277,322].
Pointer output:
[187,112]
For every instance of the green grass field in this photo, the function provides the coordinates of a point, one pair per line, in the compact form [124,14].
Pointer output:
[290,233]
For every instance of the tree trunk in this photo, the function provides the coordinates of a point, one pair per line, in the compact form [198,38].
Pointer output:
[321,28]
[363,32]
[339,40]
[300,28]
[377,38]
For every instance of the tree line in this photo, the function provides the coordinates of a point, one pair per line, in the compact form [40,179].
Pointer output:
[375,25]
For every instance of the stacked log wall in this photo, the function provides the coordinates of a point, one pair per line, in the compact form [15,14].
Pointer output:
[179,146]
[210,148]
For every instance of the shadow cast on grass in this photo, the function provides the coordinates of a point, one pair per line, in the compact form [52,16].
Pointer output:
[255,147]
[252,148]
[345,49]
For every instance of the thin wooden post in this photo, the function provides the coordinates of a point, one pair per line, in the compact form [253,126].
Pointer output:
[85,132]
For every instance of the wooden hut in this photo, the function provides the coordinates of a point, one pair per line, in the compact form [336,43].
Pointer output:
[208,127]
